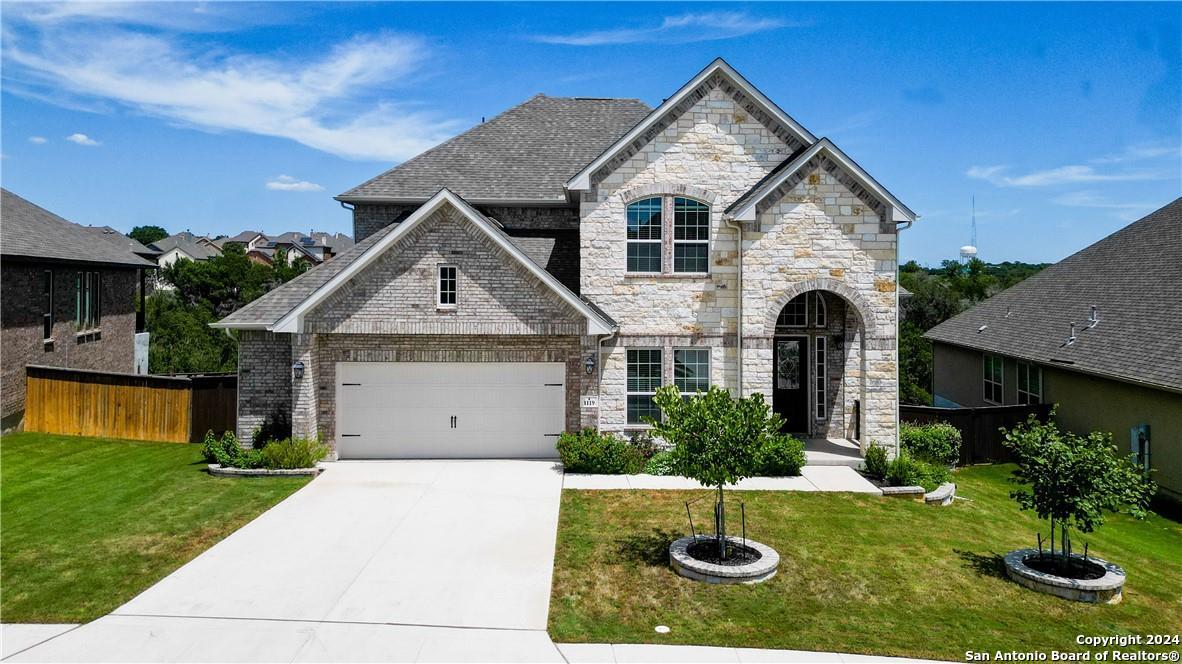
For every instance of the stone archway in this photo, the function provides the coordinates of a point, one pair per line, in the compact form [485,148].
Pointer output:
[850,295]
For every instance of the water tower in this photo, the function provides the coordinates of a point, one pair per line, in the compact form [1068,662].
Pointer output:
[969,251]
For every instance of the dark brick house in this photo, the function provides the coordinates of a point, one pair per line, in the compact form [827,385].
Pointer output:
[67,297]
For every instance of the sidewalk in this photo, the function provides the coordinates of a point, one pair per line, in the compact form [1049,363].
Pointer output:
[631,653]
[811,478]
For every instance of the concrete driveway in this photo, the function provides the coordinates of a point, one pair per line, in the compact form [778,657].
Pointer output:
[372,560]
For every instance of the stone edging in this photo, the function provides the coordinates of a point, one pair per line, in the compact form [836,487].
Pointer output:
[1106,589]
[942,495]
[223,471]
[915,492]
[692,568]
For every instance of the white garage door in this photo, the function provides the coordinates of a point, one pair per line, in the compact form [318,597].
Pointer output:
[435,410]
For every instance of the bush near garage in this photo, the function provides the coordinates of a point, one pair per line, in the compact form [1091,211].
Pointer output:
[589,451]
[289,453]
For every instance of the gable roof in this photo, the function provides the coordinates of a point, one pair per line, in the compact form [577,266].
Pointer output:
[30,231]
[1132,276]
[717,72]
[120,240]
[292,300]
[187,243]
[522,155]
[787,173]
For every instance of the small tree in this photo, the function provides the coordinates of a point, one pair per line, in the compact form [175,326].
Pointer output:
[1073,480]
[716,439]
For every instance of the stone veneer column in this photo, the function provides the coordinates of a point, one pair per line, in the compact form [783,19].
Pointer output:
[303,390]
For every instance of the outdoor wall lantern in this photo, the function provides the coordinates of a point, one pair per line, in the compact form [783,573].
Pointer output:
[590,364]
[297,369]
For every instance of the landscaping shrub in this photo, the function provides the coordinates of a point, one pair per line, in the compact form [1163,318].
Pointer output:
[277,426]
[589,451]
[225,450]
[645,445]
[876,461]
[906,470]
[781,456]
[661,463]
[292,453]
[937,443]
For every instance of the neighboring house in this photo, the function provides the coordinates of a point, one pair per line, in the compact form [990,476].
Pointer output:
[184,245]
[315,247]
[248,239]
[550,268]
[1097,334]
[67,300]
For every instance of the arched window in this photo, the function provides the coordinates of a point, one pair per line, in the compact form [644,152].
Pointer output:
[819,313]
[795,313]
[644,235]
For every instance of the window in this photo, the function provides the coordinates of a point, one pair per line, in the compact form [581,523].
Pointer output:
[88,301]
[691,370]
[644,235]
[993,379]
[47,305]
[821,348]
[795,313]
[447,287]
[691,236]
[644,377]
[1029,383]
[819,317]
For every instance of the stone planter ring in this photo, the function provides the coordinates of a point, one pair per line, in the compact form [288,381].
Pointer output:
[1104,590]
[699,570]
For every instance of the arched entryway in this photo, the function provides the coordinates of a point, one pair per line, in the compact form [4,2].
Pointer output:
[816,365]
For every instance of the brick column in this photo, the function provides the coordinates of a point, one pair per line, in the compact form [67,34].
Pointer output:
[303,390]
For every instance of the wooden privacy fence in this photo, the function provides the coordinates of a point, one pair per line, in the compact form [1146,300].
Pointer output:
[980,428]
[116,405]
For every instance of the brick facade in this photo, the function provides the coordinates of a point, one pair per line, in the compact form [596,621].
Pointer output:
[109,348]
[264,379]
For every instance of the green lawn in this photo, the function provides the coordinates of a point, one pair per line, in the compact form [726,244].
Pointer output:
[87,524]
[858,574]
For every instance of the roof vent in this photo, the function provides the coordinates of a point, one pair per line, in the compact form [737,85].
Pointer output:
[982,329]
[1071,338]
[1093,318]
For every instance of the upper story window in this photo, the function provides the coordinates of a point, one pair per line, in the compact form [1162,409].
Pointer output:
[88,301]
[448,287]
[691,236]
[47,305]
[993,379]
[1029,383]
[644,235]
[668,226]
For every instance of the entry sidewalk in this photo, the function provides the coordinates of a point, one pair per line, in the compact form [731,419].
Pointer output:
[811,478]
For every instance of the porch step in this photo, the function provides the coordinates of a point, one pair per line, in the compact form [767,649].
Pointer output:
[832,452]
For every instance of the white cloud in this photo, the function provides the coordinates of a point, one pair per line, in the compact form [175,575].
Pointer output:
[1142,152]
[1092,200]
[683,29]
[1073,174]
[83,139]
[325,101]
[38,140]
[288,183]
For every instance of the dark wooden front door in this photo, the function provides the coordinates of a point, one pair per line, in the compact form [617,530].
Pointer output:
[790,379]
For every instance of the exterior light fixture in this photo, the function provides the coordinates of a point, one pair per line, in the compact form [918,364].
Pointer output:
[297,369]
[589,363]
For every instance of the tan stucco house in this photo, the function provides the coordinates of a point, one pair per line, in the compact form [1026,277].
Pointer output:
[550,268]
[1096,334]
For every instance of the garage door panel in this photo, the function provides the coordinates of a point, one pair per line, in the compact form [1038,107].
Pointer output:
[406,409]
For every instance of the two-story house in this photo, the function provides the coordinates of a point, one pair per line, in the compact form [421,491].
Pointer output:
[551,268]
[68,300]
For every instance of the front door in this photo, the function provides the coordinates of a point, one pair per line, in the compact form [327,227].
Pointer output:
[790,382]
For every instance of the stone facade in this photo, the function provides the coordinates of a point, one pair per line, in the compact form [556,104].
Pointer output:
[110,347]
[817,235]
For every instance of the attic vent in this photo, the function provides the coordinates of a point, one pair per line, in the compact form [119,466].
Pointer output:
[1093,318]
[1070,338]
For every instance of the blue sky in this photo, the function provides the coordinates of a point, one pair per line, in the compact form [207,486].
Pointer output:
[1064,120]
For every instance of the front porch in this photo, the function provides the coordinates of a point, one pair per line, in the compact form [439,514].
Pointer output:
[832,452]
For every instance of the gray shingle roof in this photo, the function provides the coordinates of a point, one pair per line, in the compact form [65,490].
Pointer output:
[187,242]
[29,231]
[120,240]
[524,154]
[1134,276]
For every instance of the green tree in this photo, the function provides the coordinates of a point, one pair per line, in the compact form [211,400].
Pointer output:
[147,234]
[1073,480]
[716,439]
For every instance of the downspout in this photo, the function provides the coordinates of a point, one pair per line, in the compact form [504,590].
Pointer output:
[738,226]
[599,379]
[898,365]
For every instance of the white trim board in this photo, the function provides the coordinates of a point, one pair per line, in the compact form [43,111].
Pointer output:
[293,321]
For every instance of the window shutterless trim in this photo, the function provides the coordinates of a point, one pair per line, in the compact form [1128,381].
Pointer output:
[987,379]
[820,376]
[697,379]
[447,286]
[1025,394]
[47,305]
[705,210]
[629,392]
[820,313]
[644,232]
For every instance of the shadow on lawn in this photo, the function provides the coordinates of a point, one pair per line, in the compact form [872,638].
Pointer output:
[988,564]
[651,549]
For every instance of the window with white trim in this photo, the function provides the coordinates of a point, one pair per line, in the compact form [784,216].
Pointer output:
[993,375]
[691,370]
[644,236]
[691,236]
[644,377]
[447,290]
[1029,383]
[820,352]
